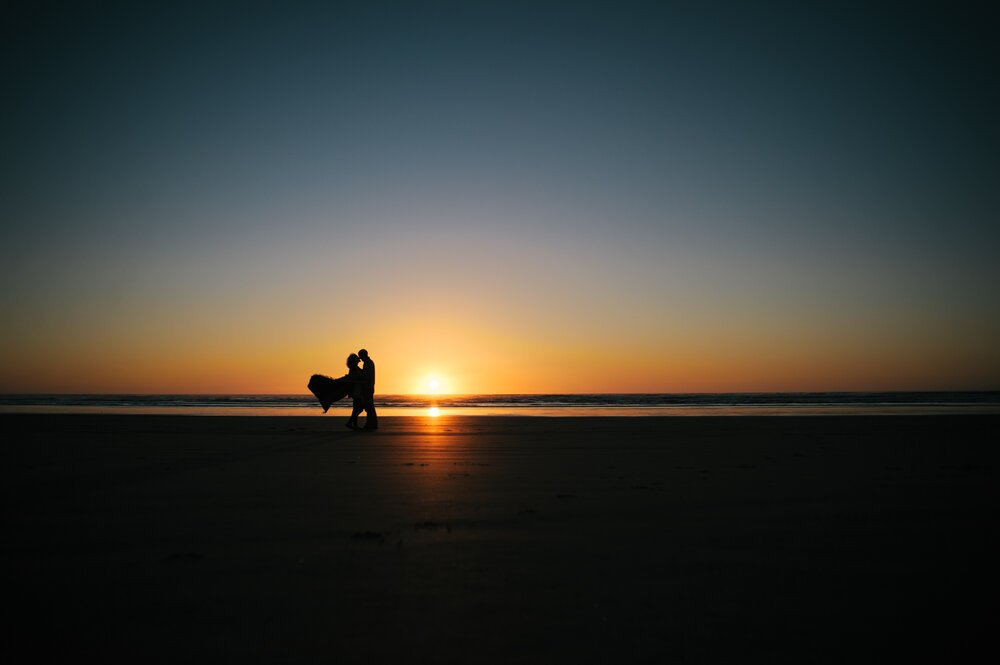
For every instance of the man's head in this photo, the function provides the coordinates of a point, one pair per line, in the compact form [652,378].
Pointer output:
[363,353]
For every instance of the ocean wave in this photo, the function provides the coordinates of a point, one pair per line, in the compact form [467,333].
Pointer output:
[524,401]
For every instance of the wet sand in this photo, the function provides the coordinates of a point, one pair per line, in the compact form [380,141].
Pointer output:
[499,539]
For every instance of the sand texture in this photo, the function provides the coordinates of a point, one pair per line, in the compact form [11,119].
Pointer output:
[154,539]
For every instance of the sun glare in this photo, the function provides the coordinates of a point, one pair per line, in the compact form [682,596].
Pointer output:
[433,385]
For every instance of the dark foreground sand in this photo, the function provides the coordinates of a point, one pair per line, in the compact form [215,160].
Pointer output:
[210,539]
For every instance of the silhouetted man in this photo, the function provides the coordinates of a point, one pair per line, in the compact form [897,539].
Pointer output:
[368,390]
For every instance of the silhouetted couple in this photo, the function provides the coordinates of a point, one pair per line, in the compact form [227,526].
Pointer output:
[358,383]
[363,389]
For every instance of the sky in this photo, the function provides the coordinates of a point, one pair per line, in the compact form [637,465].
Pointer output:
[502,197]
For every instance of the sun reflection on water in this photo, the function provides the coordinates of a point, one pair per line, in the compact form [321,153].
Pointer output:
[433,412]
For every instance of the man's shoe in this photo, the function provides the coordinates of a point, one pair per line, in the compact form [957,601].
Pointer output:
[350,425]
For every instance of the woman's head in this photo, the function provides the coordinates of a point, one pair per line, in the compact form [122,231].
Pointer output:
[353,360]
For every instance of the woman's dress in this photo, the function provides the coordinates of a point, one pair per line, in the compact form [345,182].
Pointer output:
[328,390]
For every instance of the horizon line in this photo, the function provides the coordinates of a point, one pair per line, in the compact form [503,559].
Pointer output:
[418,394]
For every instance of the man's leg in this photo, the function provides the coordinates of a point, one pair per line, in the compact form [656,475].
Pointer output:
[371,419]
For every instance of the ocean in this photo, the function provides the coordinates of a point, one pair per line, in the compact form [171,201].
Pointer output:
[662,404]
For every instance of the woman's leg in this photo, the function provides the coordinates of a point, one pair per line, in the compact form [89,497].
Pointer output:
[358,407]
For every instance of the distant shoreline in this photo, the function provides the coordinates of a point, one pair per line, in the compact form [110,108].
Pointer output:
[515,412]
[635,404]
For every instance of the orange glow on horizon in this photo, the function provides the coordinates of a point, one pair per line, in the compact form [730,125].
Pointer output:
[493,365]
[487,349]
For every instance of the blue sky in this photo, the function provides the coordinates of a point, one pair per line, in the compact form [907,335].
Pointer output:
[826,172]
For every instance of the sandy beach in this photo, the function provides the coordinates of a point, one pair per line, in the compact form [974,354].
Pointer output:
[498,539]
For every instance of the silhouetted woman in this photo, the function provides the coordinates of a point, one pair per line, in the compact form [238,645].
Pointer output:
[354,376]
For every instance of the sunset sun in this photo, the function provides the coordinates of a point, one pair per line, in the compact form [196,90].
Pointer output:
[433,385]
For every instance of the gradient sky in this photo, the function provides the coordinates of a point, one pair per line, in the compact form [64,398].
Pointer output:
[515,197]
